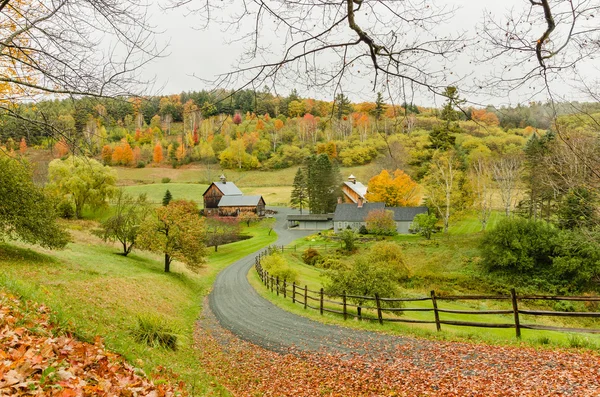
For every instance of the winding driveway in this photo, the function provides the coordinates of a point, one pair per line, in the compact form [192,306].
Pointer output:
[240,309]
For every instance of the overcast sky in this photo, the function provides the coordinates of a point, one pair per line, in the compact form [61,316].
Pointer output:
[194,53]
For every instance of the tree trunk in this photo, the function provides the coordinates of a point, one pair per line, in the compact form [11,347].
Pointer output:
[167,263]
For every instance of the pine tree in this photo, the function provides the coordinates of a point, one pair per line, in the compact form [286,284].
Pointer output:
[167,198]
[299,197]
[342,106]
[323,184]
[379,107]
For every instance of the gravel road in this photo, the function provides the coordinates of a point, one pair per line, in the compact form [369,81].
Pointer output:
[239,308]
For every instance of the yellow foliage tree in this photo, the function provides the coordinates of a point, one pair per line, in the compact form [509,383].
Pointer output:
[398,190]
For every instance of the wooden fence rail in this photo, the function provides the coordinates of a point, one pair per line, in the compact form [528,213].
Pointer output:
[355,306]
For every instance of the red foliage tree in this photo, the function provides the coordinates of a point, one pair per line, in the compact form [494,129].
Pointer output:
[237,119]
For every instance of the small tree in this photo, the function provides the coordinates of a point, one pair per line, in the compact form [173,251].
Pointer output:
[124,226]
[381,222]
[299,197]
[26,212]
[276,265]
[85,181]
[178,232]
[247,217]
[424,224]
[167,198]
[348,237]
[220,230]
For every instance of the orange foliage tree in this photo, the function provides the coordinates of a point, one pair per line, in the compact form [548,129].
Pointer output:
[157,155]
[137,155]
[485,117]
[61,147]
[23,146]
[278,124]
[398,190]
[106,154]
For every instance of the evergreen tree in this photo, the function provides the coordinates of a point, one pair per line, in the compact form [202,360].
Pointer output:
[323,184]
[341,106]
[379,107]
[167,198]
[299,197]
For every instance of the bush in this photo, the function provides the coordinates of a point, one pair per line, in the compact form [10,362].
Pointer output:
[155,331]
[165,180]
[519,246]
[276,265]
[363,230]
[348,237]
[140,164]
[381,222]
[311,257]
[66,209]
[424,224]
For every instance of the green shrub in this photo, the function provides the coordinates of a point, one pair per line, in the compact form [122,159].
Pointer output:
[311,257]
[276,265]
[519,246]
[165,180]
[363,230]
[155,331]
[140,164]
[66,209]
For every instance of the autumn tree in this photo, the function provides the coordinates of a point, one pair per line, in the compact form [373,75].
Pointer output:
[481,181]
[444,183]
[424,224]
[221,230]
[23,146]
[61,148]
[506,171]
[299,197]
[84,181]
[398,190]
[178,232]
[247,217]
[381,222]
[124,225]
[26,212]
[157,154]
[106,154]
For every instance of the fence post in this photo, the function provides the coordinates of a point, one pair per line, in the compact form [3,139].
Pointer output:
[359,312]
[513,294]
[379,314]
[305,295]
[284,288]
[294,292]
[272,282]
[277,287]
[435,312]
[344,302]
[282,249]
[321,304]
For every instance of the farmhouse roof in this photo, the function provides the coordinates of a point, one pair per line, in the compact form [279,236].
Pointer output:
[358,188]
[228,188]
[240,201]
[351,212]
[407,213]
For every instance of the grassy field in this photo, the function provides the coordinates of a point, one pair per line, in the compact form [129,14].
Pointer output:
[97,292]
[447,264]
[156,191]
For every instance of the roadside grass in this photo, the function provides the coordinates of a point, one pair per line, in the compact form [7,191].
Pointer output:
[180,191]
[447,264]
[96,292]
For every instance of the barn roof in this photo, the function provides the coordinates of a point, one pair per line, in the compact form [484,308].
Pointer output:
[240,201]
[227,188]
[358,188]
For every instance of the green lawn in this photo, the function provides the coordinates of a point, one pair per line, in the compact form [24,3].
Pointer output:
[446,264]
[97,292]
[156,191]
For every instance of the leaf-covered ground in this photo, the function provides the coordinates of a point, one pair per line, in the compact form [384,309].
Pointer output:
[410,367]
[38,359]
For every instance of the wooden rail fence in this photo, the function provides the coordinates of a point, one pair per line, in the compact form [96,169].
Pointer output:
[367,306]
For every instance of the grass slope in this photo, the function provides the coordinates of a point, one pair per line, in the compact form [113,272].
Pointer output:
[156,191]
[97,292]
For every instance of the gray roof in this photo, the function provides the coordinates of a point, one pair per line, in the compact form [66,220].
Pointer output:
[310,217]
[407,213]
[239,201]
[358,187]
[351,212]
[228,189]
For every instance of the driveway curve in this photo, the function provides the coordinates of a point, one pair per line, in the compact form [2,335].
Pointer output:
[241,310]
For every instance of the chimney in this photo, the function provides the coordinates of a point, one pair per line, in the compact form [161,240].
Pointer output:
[360,202]
[352,178]
[223,179]
[339,200]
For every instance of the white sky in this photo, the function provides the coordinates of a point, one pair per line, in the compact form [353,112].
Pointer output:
[206,53]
